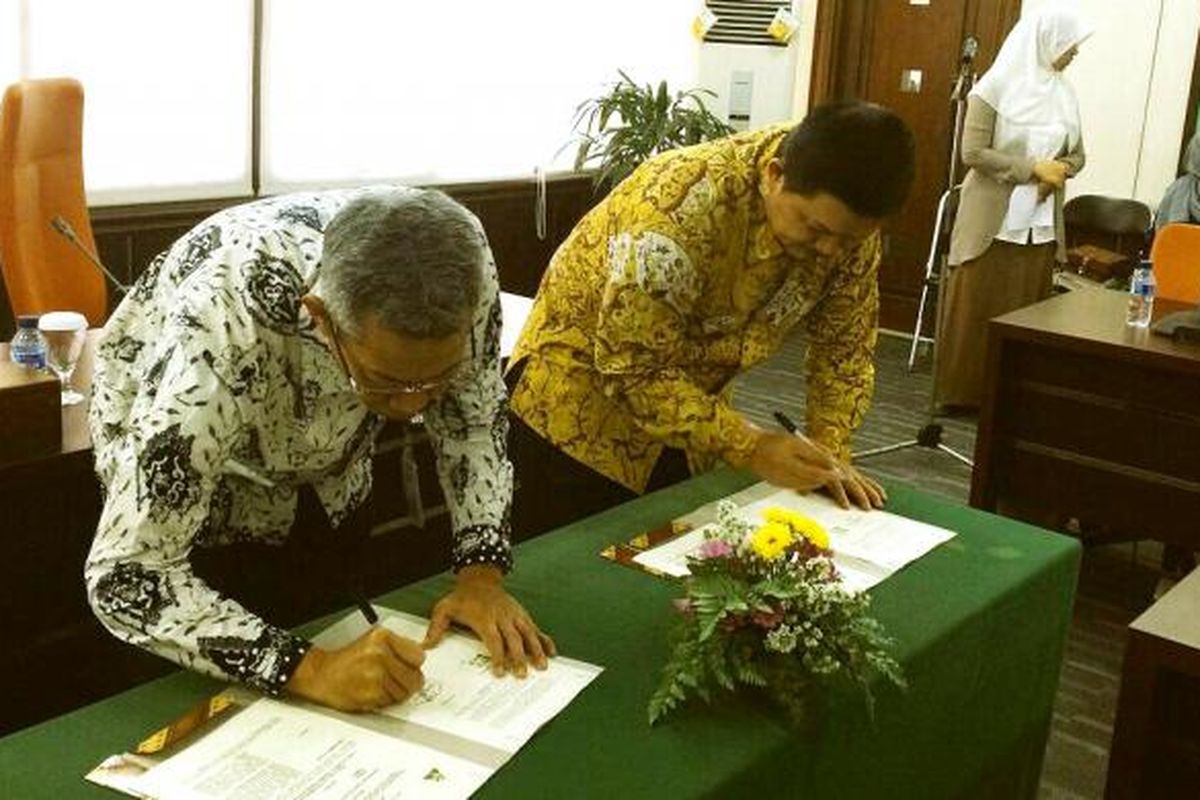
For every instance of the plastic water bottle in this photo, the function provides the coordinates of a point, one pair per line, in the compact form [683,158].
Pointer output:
[28,347]
[1141,296]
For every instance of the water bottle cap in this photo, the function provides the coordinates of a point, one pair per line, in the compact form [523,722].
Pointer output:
[62,321]
[27,322]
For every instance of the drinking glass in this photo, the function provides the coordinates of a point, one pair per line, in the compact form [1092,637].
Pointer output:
[65,332]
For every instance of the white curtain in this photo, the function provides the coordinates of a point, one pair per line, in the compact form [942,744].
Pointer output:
[363,90]
[167,88]
[351,91]
[10,41]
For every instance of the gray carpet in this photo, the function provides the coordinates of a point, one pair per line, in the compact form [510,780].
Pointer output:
[1116,582]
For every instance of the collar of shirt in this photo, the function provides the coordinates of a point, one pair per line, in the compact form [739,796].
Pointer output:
[762,242]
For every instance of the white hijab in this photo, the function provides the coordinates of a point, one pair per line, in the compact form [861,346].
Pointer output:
[1035,105]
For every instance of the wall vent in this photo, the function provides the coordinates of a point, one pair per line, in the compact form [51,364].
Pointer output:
[745,21]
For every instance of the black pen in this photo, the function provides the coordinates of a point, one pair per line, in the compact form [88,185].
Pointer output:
[788,425]
[360,599]
[368,612]
[786,422]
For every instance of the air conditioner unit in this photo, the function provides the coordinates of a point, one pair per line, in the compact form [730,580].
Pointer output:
[757,79]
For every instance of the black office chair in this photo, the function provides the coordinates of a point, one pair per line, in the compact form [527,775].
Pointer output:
[1118,224]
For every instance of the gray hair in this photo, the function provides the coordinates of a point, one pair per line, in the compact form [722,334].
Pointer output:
[411,259]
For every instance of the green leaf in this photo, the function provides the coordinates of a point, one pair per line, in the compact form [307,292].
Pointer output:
[651,120]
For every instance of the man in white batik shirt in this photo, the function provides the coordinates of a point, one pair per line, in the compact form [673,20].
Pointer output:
[257,359]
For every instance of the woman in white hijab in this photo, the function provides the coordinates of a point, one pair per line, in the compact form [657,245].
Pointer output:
[1021,142]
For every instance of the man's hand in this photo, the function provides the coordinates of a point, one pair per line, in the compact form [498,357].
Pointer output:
[377,669]
[796,462]
[506,629]
[865,492]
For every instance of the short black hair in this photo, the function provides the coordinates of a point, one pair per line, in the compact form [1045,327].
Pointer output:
[861,153]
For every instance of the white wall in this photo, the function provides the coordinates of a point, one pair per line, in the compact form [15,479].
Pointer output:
[1132,78]
[804,57]
[781,75]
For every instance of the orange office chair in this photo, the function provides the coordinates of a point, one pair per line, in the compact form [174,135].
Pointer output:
[1176,257]
[41,177]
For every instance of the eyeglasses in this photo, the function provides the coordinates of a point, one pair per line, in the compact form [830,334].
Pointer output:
[428,386]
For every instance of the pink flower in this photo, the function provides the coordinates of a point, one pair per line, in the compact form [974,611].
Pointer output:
[767,620]
[682,605]
[715,548]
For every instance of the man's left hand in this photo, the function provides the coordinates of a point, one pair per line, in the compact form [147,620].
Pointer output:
[856,487]
[480,602]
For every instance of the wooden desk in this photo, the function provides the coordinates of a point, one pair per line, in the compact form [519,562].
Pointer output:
[1084,417]
[76,441]
[1156,742]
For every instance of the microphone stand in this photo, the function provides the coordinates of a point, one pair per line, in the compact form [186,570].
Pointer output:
[64,229]
[930,434]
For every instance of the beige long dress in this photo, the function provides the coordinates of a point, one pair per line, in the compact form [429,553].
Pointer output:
[985,276]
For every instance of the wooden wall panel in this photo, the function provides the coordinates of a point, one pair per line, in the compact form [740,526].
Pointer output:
[128,237]
[860,48]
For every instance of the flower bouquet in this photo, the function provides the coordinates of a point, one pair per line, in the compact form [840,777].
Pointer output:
[764,608]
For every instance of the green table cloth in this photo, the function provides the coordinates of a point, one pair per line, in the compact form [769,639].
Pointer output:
[979,623]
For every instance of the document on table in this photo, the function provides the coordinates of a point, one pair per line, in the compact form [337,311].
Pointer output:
[867,546]
[461,698]
[444,742]
[276,750]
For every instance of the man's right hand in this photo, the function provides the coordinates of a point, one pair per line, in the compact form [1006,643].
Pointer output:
[797,462]
[377,669]
[793,462]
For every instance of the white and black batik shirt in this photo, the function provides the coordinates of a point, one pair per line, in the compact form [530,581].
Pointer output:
[214,400]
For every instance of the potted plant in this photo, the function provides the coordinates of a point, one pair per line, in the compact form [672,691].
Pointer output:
[623,127]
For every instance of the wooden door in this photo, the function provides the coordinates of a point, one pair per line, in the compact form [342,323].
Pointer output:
[904,54]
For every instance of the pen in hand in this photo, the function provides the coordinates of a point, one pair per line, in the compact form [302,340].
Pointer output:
[867,493]
[819,458]
[786,423]
[367,611]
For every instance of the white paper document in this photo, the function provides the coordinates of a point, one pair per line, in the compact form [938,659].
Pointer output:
[275,750]
[443,742]
[462,698]
[867,546]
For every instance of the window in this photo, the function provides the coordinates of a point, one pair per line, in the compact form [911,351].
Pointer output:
[10,41]
[441,92]
[166,91]
[350,92]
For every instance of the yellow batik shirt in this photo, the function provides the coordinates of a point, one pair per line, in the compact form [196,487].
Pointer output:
[666,290]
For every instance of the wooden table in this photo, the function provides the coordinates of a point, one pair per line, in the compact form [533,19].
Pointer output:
[1085,417]
[1156,742]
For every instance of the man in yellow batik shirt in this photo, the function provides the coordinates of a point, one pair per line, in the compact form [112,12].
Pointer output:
[690,272]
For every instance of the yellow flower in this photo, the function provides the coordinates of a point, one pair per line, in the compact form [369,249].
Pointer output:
[771,540]
[799,525]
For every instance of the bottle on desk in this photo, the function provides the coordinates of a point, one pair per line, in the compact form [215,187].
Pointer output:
[28,347]
[1141,296]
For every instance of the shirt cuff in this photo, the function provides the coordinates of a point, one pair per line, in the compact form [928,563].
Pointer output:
[738,438]
[833,439]
[265,662]
[482,545]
